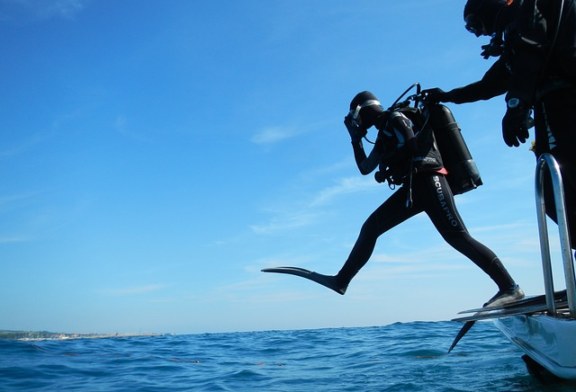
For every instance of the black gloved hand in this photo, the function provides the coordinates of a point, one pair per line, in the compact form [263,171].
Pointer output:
[491,51]
[494,49]
[516,123]
[354,129]
[435,95]
[380,176]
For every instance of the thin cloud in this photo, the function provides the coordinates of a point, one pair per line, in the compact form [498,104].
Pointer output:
[64,8]
[344,186]
[13,239]
[122,126]
[277,134]
[9,200]
[285,222]
[136,290]
[19,10]
[24,146]
[274,135]
[306,214]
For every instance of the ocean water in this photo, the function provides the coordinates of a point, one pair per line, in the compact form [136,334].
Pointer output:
[399,357]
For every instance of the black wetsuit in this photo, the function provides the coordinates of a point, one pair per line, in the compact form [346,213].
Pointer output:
[538,66]
[398,153]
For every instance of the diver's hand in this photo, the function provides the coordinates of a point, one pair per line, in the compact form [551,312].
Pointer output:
[436,95]
[356,131]
[493,49]
[516,123]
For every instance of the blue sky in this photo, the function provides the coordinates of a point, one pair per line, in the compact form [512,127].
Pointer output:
[155,155]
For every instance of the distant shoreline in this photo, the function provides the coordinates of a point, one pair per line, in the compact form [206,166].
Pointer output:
[46,335]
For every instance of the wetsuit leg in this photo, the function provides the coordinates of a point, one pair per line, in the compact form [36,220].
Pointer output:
[433,194]
[391,213]
[556,132]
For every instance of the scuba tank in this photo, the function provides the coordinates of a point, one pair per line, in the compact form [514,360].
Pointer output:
[463,175]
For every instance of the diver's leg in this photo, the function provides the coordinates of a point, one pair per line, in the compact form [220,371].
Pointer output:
[391,213]
[442,210]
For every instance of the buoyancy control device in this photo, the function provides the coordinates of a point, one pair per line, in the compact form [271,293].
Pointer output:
[463,175]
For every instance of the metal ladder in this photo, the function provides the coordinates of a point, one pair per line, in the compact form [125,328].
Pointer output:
[547,161]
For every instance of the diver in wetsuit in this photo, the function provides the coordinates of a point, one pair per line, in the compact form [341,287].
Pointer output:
[535,42]
[410,159]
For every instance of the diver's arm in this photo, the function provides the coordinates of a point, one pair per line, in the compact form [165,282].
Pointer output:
[366,164]
[492,84]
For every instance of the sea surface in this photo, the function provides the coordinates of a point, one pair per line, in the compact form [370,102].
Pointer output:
[398,357]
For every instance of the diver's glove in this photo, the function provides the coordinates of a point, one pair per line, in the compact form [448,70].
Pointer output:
[494,49]
[435,95]
[516,122]
[356,131]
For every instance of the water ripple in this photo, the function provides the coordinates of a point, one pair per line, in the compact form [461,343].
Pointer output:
[403,357]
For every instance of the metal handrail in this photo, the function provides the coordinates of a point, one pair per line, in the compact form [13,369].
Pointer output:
[548,161]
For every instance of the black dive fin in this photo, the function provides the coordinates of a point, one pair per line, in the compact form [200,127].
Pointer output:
[559,296]
[324,280]
[524,306]
[465,328]
[515,311]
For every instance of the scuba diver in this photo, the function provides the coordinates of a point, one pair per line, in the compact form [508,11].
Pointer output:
[535,42]
[406,155]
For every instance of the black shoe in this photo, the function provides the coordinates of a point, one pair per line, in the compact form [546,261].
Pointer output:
[503,297]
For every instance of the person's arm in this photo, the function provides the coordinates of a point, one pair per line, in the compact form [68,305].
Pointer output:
[492,84]
[366,164]
[397,136]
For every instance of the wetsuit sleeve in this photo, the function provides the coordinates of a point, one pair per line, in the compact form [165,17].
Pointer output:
[492,84]
[366,164]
